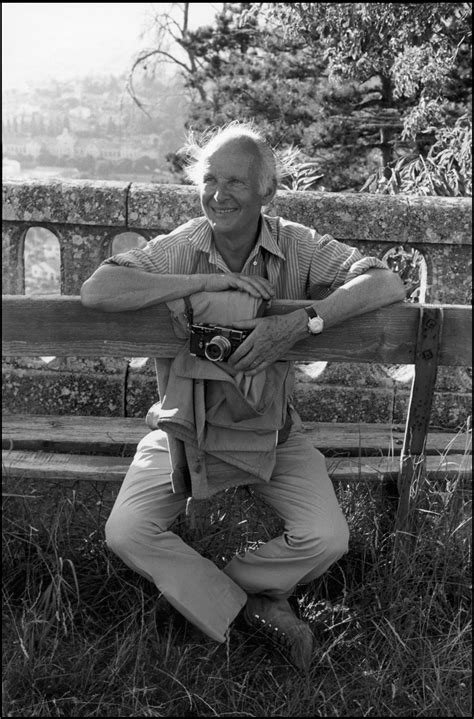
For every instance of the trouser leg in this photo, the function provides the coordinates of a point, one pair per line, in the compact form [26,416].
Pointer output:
[315,530]
[137,532]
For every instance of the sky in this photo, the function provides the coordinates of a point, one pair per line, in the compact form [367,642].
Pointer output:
[63,40]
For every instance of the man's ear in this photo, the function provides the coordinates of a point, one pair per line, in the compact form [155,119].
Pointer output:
[268,197]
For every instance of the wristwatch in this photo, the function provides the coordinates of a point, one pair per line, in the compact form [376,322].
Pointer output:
[315,322]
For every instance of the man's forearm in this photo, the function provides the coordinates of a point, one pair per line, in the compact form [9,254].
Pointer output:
[374,289]
[113,288]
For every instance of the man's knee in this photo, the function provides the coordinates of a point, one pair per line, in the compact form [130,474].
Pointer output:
[330,541]
[122,530]
[336,539]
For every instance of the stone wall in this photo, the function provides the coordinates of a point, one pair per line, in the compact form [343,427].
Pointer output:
[86,216]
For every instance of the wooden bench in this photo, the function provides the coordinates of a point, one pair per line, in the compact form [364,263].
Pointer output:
[100,448]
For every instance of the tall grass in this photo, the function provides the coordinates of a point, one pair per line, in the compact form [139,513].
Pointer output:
[85,636]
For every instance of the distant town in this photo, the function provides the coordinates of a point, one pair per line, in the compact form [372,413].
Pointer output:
[89,128]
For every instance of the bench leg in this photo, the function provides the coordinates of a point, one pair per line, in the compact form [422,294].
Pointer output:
[412,461]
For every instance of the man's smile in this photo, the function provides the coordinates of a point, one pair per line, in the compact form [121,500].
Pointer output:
[224,210]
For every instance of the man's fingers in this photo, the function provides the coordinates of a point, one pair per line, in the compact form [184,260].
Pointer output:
[245,324]
[241,353]
[256,286]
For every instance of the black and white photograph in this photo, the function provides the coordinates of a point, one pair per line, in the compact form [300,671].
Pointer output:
[237,359]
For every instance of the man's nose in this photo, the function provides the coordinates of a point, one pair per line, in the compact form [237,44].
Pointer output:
[221,192]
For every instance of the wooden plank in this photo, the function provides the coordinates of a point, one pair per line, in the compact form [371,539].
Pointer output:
[411,474]
[60,467]
[61,326]
[43,465]
[64,433]
[120,435]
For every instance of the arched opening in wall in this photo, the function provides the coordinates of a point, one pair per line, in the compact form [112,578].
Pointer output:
[126,241]
[42,259]
[412,268]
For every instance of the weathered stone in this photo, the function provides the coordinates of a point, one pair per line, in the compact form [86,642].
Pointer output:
[449,410]
[13,266]
[318,403]
[345,374]
[47,392]
[449,274]
[142,392]
[454,379]
[83,248]
[162,207]
[81,202]
[396,219]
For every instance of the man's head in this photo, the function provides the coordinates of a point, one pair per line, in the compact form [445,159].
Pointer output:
[235,131]
[236,174]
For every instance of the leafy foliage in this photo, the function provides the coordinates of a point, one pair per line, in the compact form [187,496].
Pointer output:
[357,88]
[446,170]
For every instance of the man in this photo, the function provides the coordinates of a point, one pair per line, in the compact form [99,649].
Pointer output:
[235,247]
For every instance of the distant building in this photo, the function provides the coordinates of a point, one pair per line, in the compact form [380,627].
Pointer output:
[43,271]
[87,147]
[65,144]
[21,146]
[10,168]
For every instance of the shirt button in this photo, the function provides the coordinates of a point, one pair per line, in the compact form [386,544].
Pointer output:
[255,263]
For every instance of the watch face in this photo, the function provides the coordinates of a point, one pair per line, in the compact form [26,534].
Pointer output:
[315,325]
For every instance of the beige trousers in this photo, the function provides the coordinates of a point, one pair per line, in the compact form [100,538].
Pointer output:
[300,491]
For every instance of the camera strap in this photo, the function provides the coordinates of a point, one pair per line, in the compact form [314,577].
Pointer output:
[188,311]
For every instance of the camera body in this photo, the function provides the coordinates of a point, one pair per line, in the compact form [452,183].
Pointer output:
[213,342]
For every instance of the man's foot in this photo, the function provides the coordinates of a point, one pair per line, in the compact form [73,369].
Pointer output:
[276,620]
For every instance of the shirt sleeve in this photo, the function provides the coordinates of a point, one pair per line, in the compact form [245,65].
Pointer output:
[150,258]
[334,263]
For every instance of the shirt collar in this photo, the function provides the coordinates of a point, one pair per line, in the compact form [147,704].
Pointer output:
[268,237]
[201,238]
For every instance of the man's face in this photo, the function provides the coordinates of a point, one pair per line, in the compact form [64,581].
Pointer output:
[229,190]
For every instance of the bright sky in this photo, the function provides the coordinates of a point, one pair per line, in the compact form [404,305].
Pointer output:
[62,40]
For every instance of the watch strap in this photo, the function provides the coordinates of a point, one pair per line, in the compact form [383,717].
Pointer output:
[311,312]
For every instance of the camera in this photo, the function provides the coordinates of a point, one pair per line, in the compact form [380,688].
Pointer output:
[215,343]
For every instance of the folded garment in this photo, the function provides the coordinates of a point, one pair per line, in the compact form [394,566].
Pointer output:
[216,412]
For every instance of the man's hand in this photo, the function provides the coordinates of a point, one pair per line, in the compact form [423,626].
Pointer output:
[252,284]
[270,339]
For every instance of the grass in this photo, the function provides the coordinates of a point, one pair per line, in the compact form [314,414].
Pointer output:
[85,636]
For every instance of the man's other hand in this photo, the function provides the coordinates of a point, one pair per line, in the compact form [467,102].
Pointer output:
[269,341]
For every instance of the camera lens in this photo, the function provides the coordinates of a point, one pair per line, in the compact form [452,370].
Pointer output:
[218,349]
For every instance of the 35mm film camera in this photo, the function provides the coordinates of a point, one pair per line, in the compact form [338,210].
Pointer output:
[213,342]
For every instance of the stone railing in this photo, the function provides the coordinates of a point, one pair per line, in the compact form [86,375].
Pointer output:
[85,217]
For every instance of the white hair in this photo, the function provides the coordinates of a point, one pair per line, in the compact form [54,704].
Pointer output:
[197,151]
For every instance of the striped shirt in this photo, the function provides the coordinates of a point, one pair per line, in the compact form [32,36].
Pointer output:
[298,261]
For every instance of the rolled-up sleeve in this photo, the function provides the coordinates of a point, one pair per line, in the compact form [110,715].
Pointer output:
[334,263]
[150,258]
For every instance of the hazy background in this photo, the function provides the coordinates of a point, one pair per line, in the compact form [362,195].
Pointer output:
[42,41]
[66,112]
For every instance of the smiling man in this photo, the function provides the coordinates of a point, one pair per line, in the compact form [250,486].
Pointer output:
[237,248]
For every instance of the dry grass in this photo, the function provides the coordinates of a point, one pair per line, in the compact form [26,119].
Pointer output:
[85,636]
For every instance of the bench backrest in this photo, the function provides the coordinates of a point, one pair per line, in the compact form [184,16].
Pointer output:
[61,326]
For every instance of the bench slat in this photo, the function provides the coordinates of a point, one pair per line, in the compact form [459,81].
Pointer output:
[119,436]
[61,326]
[60,467]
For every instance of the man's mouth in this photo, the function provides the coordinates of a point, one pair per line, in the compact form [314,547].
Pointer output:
[224,210]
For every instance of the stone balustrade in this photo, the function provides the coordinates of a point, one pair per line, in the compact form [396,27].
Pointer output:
[86,216]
